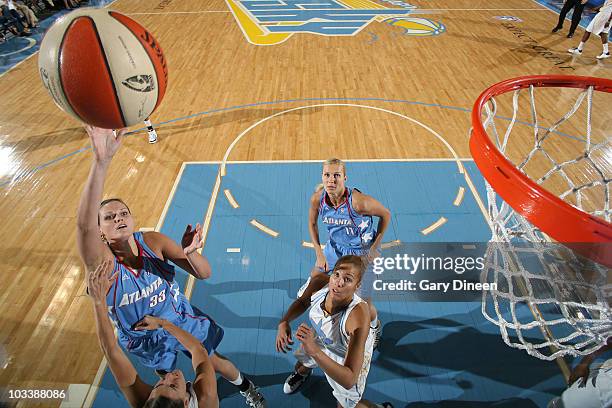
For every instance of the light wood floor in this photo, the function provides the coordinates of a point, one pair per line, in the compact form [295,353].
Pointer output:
[46,324]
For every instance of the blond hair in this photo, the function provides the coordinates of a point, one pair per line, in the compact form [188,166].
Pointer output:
[335,162]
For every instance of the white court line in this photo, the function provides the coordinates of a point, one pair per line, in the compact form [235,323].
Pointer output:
[416,11]
[233,250]
[441,221]
[263,228]
[311,245]
[459,198]
[230,198]
[426,159]
[391,244]
[430,130]
[181,12]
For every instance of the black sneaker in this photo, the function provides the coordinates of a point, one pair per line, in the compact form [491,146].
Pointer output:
[253,397]
[554,30]
[294,382]
[387,405]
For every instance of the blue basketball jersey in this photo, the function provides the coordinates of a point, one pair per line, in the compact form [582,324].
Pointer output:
[346,227]
[153,291]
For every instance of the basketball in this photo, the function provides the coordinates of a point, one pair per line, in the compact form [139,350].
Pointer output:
[103,68]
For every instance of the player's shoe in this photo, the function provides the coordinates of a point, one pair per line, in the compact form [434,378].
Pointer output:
[253,397]
[294,382]
[575,51]
[387,405]
[152,136]
[377,333]
[554,30]
[603,55]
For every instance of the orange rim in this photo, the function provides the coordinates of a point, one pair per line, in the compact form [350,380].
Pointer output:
[589,235]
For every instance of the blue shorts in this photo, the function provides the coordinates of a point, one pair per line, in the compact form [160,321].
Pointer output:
[333,252]
[158,349]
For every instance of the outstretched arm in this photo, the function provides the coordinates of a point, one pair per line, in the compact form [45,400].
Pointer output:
[296,309]
[134,389]
[205,383]
[187,257]
[104,144]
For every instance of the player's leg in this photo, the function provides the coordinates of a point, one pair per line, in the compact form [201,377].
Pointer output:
[331,257]
[301,372]
[578,50]
[151,131]
[228,370]
[604,42]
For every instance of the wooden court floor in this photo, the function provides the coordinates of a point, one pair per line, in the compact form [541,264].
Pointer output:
[46,325]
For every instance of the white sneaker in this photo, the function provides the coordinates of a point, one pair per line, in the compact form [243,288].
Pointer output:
[574,51]
[603,55]
[152,136]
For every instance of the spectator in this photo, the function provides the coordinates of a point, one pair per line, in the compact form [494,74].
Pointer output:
[10,13]
[27,12]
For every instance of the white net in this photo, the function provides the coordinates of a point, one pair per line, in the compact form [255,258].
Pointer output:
[549,301]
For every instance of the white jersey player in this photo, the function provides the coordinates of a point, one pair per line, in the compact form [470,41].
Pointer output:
[340,341]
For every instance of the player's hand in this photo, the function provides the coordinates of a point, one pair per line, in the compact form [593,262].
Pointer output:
[100,281]
[584,2]
[372,254]
[321,263]
[104,142]
[149,323]
[284,341]
[580,372]
[192,239]
[307,336]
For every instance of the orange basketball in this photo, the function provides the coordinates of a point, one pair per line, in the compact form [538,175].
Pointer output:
[103,68]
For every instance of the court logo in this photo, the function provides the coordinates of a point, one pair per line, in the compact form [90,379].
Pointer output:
[418,27]
[270,22]
[508,18]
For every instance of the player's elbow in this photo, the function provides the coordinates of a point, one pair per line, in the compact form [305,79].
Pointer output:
[207,273]
[349,383]
[349,380]
[386,213]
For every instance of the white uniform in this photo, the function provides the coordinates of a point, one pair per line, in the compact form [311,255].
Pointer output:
[193,398]
[333,339]
[591,396]
[597,25]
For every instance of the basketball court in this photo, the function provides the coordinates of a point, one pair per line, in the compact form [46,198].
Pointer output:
[245,124]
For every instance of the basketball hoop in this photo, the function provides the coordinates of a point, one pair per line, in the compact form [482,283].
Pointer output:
[566,287]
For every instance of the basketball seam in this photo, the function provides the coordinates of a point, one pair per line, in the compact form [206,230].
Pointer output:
[157,89]
[110,73]
[59,69]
